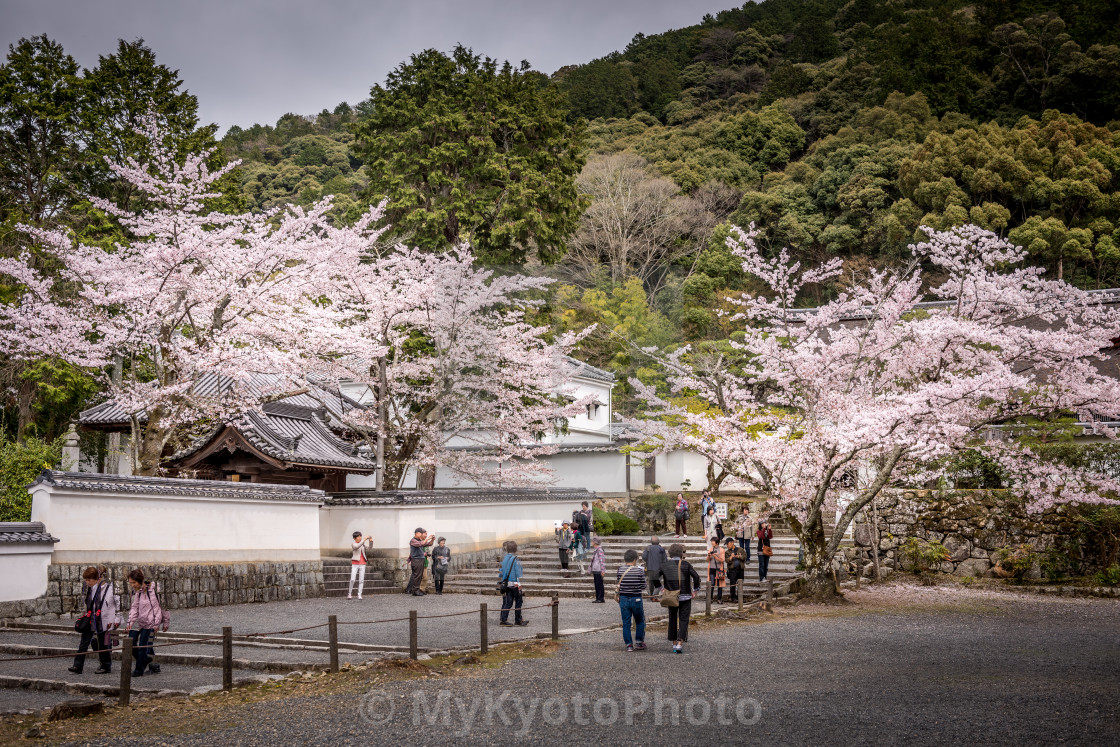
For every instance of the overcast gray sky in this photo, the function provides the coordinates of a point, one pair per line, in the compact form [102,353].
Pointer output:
[253,60]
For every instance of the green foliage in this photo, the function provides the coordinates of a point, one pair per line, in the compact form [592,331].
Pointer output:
[20,464]
[920,556]
[602,521]
[1016,561]
[623,524]
[611,523]
[466,149]
[1109,576]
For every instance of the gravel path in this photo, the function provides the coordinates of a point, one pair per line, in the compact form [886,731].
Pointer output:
[440,633]
[901,666]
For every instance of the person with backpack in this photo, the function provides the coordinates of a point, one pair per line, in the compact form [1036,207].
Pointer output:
[680,513]
[653,558]
[441,562]
[631,584]
[598,568]
[706,502]
[509,583]
[145,615]
[680,581]
[97,622]
[581,522]
[358,561]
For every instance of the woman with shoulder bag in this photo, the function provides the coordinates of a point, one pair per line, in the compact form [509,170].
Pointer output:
[764,534]
[679,581]
[97,622]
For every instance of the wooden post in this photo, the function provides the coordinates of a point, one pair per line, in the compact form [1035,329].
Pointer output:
[708,601]
[332,635]
[770,589]
[412,640]
[555,616]
[227,658]
[742,590]
[482,627]
[126,670]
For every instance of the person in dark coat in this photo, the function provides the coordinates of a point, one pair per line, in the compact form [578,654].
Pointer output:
[653,558]
[735,561]
[764,535]
[678,573]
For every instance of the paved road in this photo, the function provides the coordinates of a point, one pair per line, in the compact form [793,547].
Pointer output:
[963,668]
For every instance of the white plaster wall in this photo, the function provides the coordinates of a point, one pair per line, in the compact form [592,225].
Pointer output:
[599,472]
[23,570]
[139,528]
[467,526]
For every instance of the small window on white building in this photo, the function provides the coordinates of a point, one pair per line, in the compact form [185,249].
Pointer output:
[593,411]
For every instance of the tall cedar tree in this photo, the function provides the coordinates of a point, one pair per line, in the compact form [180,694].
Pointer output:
[469,150]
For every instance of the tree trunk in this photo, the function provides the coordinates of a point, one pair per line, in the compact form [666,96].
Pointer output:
[818,582]
[875,540]
[26,414]
[153,437]
[382,426]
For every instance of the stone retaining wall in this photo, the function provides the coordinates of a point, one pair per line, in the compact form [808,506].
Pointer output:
[972,524]
[181,586]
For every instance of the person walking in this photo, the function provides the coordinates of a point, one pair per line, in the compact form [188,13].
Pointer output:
[358,560]
[715,569]
[99,619]
[713,527]
[564,539]
[631,584]
[416,559]
[581,524]
[441,563]
[145,615]
[764,535]
[652,559]
[598,568]
[509,580]
[680,513]
[679,576]
[585,509]
[735,568]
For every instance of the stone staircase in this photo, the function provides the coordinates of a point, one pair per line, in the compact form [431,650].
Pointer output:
[336,578]
[544,576]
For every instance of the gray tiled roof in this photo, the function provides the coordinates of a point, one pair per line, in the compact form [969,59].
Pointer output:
[293,434]
[208,385]
[456,495]
[587,371]
[25,531]
[99,483]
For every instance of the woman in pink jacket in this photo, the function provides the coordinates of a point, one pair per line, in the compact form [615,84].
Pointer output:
[144,616]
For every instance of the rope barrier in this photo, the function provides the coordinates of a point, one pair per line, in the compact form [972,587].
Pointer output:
[205,639]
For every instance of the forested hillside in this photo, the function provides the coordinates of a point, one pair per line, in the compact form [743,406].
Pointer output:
[838,127]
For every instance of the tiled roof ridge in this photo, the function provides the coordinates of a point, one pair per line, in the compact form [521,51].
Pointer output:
[99,482]
[25,531]
[368,497]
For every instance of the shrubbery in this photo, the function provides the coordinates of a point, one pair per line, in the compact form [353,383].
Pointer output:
[20,464]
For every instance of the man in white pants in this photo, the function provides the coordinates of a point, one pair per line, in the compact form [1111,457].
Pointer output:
[358,564]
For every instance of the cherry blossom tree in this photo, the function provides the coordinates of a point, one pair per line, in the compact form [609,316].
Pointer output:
[457,377]
[878,385]
[193,291]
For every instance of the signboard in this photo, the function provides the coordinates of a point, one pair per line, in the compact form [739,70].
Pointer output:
[721,510]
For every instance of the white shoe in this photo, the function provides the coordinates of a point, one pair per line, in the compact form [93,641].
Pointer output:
[349,596]
[359,597]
